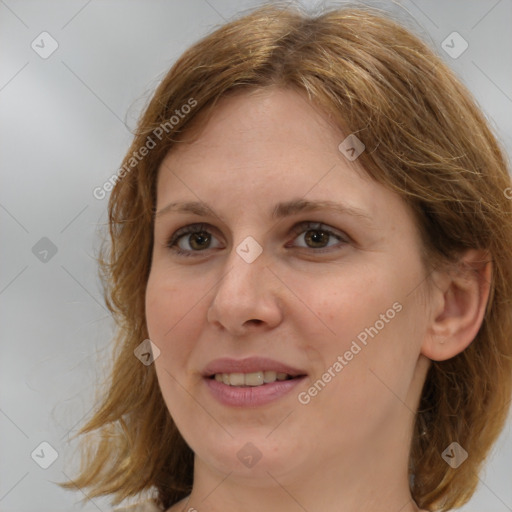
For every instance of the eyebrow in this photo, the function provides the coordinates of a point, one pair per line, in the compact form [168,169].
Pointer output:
[280,211]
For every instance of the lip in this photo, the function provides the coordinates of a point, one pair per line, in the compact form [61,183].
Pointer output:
[235,396]
[249,365]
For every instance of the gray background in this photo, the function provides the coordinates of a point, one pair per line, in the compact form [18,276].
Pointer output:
[63,133]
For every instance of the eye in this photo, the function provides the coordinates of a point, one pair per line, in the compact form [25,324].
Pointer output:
[195,238]
[190,239]
[316,235]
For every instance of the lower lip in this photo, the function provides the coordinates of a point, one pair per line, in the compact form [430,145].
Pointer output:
[251,396]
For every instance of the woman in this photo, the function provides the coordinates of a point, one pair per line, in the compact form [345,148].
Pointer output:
[312,228]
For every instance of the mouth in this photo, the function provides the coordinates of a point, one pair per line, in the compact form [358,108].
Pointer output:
[250,382]
[253,379]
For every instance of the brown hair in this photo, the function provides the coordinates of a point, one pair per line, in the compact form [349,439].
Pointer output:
[425,139]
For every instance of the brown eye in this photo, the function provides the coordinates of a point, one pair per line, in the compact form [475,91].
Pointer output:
[191,239]
[318,236]
[199,240]
[318,239]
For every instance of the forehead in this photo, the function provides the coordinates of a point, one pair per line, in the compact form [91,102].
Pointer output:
[273,129]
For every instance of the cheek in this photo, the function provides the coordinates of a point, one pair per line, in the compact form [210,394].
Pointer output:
[174,321]
[366,318]
[174,314]
[344,305]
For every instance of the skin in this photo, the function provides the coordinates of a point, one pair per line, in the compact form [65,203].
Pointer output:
[348,448]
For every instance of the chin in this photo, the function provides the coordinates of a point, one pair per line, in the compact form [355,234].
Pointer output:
[252,456]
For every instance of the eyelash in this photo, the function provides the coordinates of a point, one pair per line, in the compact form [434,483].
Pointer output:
[296,230]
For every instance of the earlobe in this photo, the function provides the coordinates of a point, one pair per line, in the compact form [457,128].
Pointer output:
[461,299]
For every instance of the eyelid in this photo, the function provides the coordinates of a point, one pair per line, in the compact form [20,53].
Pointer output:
[187,230]
[306,225]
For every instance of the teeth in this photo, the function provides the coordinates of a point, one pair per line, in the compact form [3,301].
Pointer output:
[250,379]
[236,379]
[269,376]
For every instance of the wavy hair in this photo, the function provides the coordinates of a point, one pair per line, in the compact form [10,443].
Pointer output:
[426,139]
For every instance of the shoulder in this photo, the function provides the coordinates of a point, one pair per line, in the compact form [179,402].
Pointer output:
[143,506]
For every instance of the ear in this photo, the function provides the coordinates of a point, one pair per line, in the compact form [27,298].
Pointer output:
[459,301]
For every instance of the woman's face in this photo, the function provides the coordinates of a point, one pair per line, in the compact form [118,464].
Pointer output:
[268,288]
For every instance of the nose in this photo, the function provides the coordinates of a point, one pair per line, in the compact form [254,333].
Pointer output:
[246,297]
